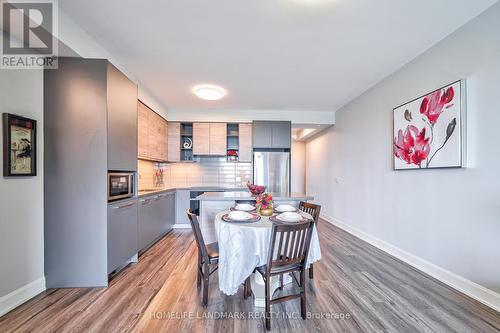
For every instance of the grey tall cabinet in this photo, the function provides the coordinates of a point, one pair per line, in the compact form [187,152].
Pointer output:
[90,127]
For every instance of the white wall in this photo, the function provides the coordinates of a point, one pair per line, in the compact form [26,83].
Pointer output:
[298,176]
[450,217]
[21,199]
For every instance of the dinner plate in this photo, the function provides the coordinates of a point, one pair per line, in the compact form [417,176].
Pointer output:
[244,207]
[276,218]
[285,208]
[289,217]
[254,218]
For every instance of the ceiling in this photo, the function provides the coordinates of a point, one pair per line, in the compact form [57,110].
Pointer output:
[268,54]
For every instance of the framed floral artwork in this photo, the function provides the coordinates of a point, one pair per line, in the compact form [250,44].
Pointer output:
[429,130]
[19,146]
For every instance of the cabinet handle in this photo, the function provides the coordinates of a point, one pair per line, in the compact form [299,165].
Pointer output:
[145,201]
[163,195]
[124,206]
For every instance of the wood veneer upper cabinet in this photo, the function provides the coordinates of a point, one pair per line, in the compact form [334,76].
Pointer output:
[163,139]
[143,130]
[201,139]
[245,142]
[174,142]
[153,134]
[218,139]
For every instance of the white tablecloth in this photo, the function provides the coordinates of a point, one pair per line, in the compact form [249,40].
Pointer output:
[245,246]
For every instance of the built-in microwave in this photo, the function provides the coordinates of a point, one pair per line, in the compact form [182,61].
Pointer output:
[121,185]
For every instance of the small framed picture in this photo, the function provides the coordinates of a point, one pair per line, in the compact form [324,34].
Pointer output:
[19,146]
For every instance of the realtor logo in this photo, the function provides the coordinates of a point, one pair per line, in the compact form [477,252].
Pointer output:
[28,29]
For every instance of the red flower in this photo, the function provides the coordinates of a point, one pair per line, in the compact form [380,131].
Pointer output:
[264,201]
[433,104]
[412,146]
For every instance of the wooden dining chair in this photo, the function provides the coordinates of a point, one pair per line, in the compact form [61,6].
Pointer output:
[207,255]
[288,252]
[314,211]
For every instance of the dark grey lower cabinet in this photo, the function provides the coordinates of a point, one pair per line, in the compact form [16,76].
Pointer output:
[166,210]
[122,233]
[146,220]
[156,217]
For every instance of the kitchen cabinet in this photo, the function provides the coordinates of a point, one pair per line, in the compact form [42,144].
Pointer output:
[143,130]
[182,204]
[174,142]
[167,202]
[158,143]
[245,142]
[272,134]
[201,139]
[282,134]
[210,139]
[262,134]
[218,139]
[122,233]
[156,217]
[84,137]
[152,134]
[164,213]
[146,222]
[122,121]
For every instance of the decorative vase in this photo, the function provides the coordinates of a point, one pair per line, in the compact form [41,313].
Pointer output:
[266,212]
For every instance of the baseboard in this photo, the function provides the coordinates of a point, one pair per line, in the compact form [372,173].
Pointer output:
[182,226]
[21,295]
[465,286]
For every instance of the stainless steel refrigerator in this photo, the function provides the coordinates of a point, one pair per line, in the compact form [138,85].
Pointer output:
[272,169]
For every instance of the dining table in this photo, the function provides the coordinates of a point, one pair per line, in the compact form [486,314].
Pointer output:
[244,246]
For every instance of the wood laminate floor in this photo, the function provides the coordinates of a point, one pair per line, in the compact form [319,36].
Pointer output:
[356,288]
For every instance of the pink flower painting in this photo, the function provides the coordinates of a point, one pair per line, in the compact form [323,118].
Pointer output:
[412,146]
[425,130]
[433,104]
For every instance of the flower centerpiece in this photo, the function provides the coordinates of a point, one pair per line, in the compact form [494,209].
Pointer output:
[264,204]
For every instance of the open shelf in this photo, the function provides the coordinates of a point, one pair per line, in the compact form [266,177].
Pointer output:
[186,137]
[232,141]
[186,154]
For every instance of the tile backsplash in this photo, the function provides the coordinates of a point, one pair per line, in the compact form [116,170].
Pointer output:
[205,171]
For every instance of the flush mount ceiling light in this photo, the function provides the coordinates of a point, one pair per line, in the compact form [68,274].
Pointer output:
[209,92]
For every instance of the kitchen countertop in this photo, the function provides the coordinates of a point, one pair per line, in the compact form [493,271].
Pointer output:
[241,195]
[155,191]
